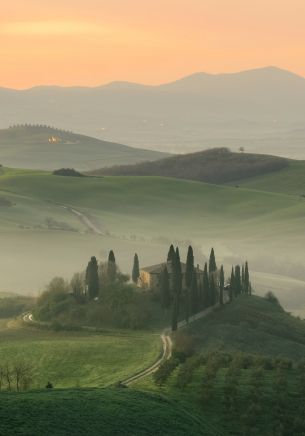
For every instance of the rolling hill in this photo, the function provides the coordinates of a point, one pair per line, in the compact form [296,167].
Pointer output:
[252,325]
[42,147]
[144,215]
[246,372]
[260,109]
[288,180]
[218,165]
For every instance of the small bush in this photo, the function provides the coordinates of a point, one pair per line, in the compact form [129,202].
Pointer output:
[68,172]
[271,298]
[165,370]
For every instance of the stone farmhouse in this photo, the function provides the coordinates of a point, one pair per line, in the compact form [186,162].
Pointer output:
[150,275]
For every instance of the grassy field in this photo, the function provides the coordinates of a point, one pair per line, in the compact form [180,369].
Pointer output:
[77,359]
[289,180]
[107,412]
[144,215]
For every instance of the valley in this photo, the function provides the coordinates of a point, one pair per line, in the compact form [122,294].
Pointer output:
[143,215]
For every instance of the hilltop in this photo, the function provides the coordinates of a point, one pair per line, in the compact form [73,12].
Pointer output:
[218,165]
[252,325]
[48,148]
[259,109]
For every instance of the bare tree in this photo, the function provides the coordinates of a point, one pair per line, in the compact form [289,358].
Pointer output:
[9,376]
[22,375]
[2,376]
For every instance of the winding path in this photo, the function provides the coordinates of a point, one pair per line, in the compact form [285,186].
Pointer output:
[85,220]
[167,347]
[167,344]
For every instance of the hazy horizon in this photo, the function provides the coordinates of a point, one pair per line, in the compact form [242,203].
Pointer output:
[99,42]
[164,82]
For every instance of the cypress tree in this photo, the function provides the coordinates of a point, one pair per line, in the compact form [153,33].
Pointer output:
[243,279]
[247,279]
[189,268]
[111,267]
[194,294]
[171,254]
[177,287]
[135,269]
[232,285]
[165,289]
[188,296]
[92,279]
[187,304]
[200,295]
[175,314]
[221,284]
[237,281]
[177,273]
[213,289]
[205,287]
[212,262]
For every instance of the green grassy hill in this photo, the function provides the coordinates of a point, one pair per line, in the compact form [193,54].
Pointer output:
[145,215]
[110,412]
[252,325]
[43,147]
[217,165]
[77,359]
[247,373]
[289,180]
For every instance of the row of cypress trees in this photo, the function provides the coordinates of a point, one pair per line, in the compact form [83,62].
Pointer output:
[197,291]
[184,293]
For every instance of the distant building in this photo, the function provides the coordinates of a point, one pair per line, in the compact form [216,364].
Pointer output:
[150,275]
[55,140]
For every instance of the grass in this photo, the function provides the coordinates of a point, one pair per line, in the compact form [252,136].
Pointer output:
[290,180]
[144,215]
[265,399]
[77,359]
[107,412]
[253,325]
[258,410]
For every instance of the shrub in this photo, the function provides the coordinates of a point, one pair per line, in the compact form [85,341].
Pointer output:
[271,298]
[184,346]
[68,172]
[165,370]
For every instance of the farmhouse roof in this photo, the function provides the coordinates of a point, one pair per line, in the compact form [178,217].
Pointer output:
[157,269]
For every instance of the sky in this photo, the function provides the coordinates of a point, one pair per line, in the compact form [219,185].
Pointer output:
[92,42]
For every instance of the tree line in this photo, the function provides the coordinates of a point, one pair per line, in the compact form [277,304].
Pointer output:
[183,290]
[184,294]
[189,293]
[16,376]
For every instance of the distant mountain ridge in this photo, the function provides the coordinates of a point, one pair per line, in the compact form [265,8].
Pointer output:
[258,109]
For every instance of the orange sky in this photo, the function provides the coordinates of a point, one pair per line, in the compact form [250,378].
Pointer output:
[78,42]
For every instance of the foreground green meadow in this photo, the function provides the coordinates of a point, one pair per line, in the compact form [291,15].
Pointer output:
[107,412]
[77,359]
